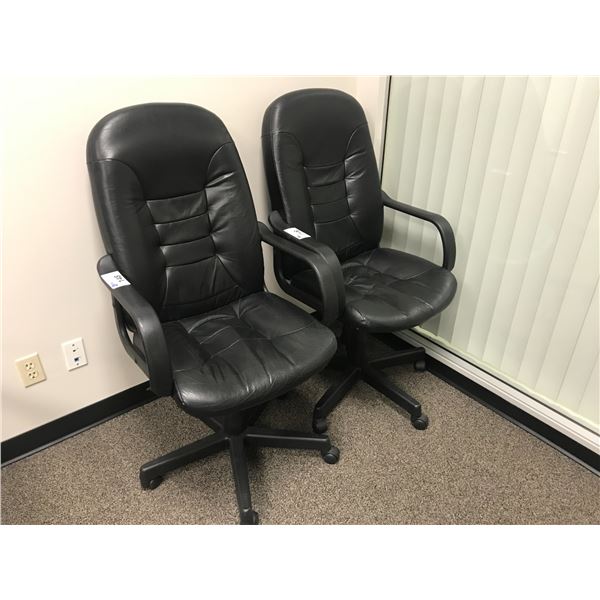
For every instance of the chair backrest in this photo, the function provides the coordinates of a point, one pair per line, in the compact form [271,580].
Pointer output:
[321,169]
[174,207]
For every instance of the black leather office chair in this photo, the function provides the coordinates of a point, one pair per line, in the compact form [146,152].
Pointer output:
[185,270]
[323,180]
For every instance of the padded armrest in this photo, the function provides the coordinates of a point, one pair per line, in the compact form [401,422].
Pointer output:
[155,361]
[442,225]
[326,272]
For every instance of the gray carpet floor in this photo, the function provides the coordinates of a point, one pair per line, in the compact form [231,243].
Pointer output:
[470,466]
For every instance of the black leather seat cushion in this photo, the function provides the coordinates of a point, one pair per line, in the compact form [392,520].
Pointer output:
[244,353]
[389,290]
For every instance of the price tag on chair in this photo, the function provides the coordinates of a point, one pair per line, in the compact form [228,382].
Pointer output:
[297,233]
[115,280]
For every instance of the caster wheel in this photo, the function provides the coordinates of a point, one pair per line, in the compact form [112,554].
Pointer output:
[420,422]
[153,483]
[331,456]
[252,452]
[249,517]
[319,426]
[420,365]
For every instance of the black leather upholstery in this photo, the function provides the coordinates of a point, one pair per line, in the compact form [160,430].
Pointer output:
[323,179]
[177,217]
[178,222]
[244,353]
[174,207]
[321,169]
[389,290]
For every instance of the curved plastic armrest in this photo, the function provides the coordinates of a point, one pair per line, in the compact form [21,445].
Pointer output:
[309,243]
[444,228]
[327,273]
[155,360]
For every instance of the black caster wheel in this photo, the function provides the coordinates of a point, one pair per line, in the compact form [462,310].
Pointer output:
[420,422]
[249,517]
[420,365]
[331,456]
[153,483]
[252,453]
[319,425]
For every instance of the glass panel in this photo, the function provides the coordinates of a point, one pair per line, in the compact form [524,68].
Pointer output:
[512,163]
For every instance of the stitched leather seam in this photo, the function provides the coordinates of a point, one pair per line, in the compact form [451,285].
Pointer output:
[362,317]
[365,297]
[244,339]
[235,282]
[245,325]
[199,301]
[123,163]
[233,279]
[332,164]
[193,262]
[175,197]
[328,201]
[216,254]
[370,257]
[360,236]
[179,220]
[322,185]
[282,354]
[365,320]
[214,154]
[373,293]
[324,166]
[212,335]
[349,246]
[140,181]
[277,169]
[277,337]
[422,300]
[237,341]
[199,239]
[351,136]
[219,179]
[372,269]
[273,133]
[332,221]
[163,281]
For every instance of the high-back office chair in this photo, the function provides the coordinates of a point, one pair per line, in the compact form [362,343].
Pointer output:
[185,270]
[323,180]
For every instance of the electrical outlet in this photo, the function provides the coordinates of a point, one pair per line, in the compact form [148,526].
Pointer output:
[31,370]
[74,354]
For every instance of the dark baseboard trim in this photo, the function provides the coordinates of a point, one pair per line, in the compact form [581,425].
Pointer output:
[46,435]
[574,450]
[41,437]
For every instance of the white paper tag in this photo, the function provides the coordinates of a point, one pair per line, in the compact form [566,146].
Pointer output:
[297,233]
[115,280]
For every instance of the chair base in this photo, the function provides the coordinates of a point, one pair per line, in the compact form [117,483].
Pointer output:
[357,366]
[235,434]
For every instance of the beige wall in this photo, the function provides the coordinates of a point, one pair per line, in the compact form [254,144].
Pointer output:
[51,243]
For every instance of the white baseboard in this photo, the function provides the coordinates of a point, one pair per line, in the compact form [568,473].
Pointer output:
[547,415]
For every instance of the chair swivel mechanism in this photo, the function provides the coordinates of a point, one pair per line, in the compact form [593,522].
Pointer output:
[326,197]
[185,270]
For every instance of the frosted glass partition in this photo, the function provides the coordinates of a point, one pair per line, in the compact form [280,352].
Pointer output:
[512,163]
